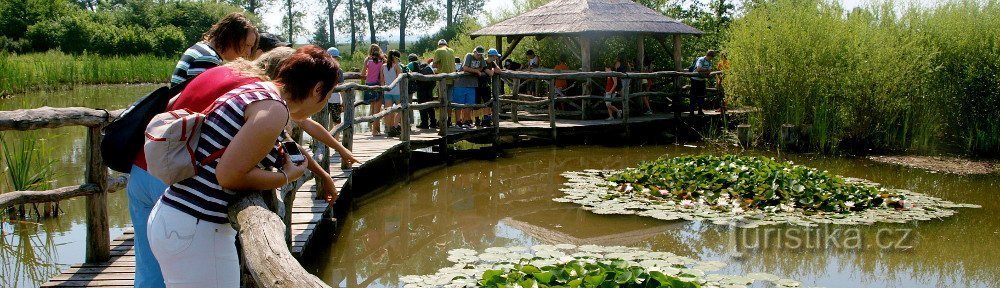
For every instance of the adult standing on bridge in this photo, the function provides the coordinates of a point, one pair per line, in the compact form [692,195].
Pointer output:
[234,36]
[465,86]
[189,231]
[443,59]
[703,65]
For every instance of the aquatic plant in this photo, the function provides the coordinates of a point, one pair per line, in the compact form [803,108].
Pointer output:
[736,183]
[53,69]
[568,265]
[26,167]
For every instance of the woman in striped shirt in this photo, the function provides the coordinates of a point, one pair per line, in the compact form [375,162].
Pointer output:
[189,231]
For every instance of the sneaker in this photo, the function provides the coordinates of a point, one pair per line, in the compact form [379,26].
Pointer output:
[610,119]
[649,112]
[478,122]
[422,126]
[619,114]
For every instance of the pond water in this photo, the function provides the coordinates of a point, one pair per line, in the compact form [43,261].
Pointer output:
[408,228]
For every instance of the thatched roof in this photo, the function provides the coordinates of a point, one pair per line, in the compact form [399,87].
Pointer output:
[588,16]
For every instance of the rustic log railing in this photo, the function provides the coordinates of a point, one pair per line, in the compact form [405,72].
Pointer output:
[265,236]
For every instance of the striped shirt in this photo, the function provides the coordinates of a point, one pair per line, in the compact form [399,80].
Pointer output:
[195,60]
[201,196]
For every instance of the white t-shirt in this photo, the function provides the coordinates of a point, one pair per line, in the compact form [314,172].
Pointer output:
[336,98]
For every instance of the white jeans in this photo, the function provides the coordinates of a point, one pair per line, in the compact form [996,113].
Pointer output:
[193,252]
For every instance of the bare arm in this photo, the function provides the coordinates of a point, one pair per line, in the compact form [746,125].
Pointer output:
[364,69]
[319,133]
[237,168]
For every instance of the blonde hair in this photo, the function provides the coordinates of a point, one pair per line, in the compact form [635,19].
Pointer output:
[247,68]
[271,61]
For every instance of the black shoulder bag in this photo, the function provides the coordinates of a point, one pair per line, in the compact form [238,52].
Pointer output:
[124,136]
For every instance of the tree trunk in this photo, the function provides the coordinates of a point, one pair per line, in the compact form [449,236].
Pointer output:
[354,28]
[371,20]
[291,25]
[402,25]
[451,19]
[331,6]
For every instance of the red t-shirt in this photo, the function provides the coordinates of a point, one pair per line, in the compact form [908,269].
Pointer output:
[610,87]
[202,92]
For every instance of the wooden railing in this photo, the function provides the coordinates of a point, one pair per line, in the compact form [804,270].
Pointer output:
[264,235]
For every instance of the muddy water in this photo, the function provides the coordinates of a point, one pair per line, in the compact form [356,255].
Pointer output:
[408,228]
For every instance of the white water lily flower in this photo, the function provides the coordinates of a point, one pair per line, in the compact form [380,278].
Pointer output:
[849,204]
[798,188]
[687,203]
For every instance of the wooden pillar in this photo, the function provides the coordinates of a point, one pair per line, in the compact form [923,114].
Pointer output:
[98,235]
[625,98]
[496,113]
[499,46]
[513,95]
[348,137]
[641,51]
[678,66]
[585,67]
[319,149]
[404,121]
[443,121]
[552,111]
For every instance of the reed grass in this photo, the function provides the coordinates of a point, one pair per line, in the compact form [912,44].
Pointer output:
[53,69]
[885,77]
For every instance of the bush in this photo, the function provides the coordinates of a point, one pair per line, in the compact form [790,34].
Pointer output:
[873,80]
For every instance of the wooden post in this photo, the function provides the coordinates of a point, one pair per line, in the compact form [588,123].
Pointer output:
[552,111]
[625,96]
[443,121]
[320,149]
[496,113]
[585,67]
[404,121]
[348,137]
[98,235]
[678,66]
[514,94]
[641,52]
[500,46]
[743,135]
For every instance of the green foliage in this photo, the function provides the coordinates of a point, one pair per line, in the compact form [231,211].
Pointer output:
[877,78]
[748,182]
[26,168]
[574,274]
[130,27]
[56,69]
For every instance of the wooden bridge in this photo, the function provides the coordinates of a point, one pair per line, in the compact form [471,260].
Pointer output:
[280,225]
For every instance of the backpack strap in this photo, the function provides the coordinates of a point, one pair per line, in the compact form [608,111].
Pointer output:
[218,154]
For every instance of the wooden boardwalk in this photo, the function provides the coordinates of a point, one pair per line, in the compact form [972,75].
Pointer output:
[308,210]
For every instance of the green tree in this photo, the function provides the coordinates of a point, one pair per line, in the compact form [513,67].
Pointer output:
[321,36]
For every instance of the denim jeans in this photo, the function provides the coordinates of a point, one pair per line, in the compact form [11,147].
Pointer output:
[143,190]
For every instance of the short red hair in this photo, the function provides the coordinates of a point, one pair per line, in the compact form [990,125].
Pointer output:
[310,65]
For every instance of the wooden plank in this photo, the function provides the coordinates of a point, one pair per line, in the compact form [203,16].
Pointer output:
[96,270]
[303,218]
[99,276]
[85,283]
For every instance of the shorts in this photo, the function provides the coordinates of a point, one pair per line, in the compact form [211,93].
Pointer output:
[391,97]
[608,96]
[483,95]
[372,96]
[335,110]
[464,95]
[698,88]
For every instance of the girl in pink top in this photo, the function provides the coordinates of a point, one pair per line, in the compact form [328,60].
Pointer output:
[372,71]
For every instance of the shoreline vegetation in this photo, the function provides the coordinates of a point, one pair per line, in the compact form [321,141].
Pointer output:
[55,70]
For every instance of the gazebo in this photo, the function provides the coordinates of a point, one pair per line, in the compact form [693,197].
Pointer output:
[584,20]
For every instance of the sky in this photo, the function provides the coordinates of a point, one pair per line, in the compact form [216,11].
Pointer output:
[272,17]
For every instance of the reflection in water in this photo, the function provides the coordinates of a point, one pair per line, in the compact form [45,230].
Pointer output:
[34,252]
[408,228]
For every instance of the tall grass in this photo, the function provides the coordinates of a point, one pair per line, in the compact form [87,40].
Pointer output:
[26,168]
[909,79]
[53,69]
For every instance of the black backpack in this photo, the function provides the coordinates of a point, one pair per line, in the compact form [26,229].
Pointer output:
[125,136]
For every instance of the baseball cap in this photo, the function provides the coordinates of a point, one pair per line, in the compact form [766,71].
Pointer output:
[479,50]
[333,51]
[493,52]
[442,42]
[270,41]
